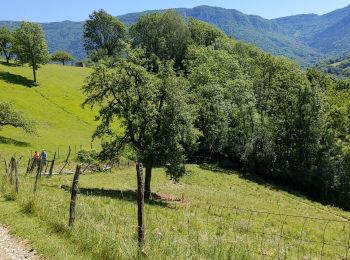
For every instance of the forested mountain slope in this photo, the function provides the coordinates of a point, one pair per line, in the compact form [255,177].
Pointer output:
[304,38]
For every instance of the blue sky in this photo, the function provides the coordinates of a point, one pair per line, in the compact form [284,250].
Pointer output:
[78,10]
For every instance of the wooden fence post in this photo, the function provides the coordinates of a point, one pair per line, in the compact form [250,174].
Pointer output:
[6,168]
[12,165]
[52,164]
[74,192]
[16,174]
[66,162]
[28,165]
[37,175]
[140,206]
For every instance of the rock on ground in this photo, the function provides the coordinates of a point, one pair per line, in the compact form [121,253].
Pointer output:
[12,248]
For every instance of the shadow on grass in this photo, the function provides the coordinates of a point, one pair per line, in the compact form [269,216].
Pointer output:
[271,184]
[16,79]
[10,64]
[127,195]
[5,140]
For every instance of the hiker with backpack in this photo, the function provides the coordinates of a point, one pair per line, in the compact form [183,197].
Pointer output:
[43,157]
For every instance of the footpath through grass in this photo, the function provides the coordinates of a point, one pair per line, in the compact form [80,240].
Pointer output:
[202,217]
[54,105]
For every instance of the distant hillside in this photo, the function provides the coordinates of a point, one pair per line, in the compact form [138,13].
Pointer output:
[329,33]
[337,66]
[304,38]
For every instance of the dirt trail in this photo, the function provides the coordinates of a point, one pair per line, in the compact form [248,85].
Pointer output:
[12,248]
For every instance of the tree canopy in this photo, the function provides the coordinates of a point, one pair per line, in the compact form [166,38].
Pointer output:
[30,46]
[203,33]
[163,34]
[153,108]
[10,117]
[62,56]
[103,34]
[6,40]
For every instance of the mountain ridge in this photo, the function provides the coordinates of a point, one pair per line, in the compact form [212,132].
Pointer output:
[306,38]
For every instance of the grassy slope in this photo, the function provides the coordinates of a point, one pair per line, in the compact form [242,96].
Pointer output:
[205,224]
[54,105]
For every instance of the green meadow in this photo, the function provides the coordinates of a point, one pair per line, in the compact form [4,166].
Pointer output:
[203,217]
[210,213]
[54,106]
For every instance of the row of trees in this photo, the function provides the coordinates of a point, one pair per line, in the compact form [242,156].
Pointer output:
[28,45]
[182,89]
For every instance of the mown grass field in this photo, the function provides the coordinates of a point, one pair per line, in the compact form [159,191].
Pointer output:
[54,106]
[210,214]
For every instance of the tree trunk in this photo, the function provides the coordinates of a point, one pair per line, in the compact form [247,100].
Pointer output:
[148,181]
[7,59]
[34,72]
[63,62]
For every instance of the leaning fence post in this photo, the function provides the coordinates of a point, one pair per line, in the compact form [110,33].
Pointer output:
[6,168]
[12,170]
[67,159]
[28,165]
[140,205]
[52,164]
[74,193]
[37,175]
[16,174]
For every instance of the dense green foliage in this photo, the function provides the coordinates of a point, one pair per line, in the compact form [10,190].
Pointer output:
[154,111]
[203,33]
[259,112]
[62,56]
[304,38]
[6,40]
[103,34]
[30,46]
[10,117]
[165,35]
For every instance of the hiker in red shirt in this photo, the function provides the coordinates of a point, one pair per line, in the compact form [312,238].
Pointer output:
[35,161]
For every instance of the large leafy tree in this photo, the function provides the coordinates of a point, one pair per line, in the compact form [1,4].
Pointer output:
[225,100]
[6,39]
[103,33]
[153,109]
[10,117]
[62,56]
[163,34]
[30,45]
[203,33]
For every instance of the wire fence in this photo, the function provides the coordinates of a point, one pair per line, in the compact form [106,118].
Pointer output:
[224,232]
